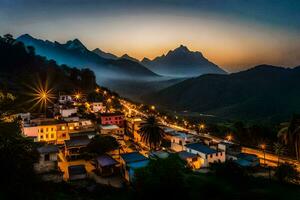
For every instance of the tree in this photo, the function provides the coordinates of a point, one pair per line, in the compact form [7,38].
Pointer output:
[18,155]
[100,145]
[151,132]
[161,177]
[279,150]
[290,135]
[286,173]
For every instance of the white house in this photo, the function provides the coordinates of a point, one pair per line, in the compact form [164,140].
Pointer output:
[63,99]
[179,140]
[208,154]
[48,159]
[67,112]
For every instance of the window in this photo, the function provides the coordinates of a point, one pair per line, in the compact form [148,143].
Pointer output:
[46,129]
[220,153]
[47,157]
[51,129]
[41,136]
[52,135]
[194,159]
[211,155]
[63,128]
[42,131]
[63,135]
[46,135]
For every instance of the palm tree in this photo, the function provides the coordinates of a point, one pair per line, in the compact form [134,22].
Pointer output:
[151,132]
[290,134]
[279,150]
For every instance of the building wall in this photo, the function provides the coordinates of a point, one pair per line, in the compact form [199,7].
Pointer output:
[209,158]
[113,120]
[68,112]
[46,165]
[31,131]
[47,133]
[116,131]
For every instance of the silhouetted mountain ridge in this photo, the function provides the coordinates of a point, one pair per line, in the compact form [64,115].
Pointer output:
[264,92]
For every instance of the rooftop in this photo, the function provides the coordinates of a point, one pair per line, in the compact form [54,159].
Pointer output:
[106,160]
[111,114]
[76,170]
[133,157]
[77,141]
[48,149]
[201,148]
[107,127]
[184,155]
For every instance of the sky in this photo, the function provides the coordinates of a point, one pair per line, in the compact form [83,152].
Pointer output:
[235,34]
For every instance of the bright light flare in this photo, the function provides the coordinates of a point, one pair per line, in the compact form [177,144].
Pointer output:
[42,95]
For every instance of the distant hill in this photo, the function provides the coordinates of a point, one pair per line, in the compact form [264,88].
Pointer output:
[103,54]
[261,93]
[181,62]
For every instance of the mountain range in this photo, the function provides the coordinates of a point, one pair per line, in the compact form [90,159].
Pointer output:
[265,92]
[181,62]
[125,74]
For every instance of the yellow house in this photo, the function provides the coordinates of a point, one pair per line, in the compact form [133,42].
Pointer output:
[47,133]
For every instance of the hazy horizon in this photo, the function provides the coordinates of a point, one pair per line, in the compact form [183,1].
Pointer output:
[235,35]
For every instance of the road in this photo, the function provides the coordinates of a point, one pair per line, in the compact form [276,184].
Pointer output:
[270,159]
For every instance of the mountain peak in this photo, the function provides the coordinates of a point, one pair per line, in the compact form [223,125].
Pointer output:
[75,44]
[25,36]
[126,56]
[103,54]
[182,48]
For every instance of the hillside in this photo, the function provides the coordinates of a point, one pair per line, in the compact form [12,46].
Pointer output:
[181,62]
[21,69]
[261,93]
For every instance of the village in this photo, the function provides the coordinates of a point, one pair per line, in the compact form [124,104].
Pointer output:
[64,133]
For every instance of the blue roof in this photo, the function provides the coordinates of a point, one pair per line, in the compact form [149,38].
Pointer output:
[201,148]
[133,157]
[184,155]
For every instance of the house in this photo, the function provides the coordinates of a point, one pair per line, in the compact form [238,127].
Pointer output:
[179,140]
[159,155]
[193,160]
[208,154]
[77,172]
[247,160]
[232,150]
[97,107]
[67,111]
[130,162]
[48,159]
[111,130]
[74,147]
[64,99]
[133,125]
[116,118]
[106,165]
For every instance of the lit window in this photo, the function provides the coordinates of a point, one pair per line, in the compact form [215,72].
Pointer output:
[63,128]
[46,135]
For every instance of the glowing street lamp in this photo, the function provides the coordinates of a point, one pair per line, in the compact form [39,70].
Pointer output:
[263,147]
[152,107]
[229,137]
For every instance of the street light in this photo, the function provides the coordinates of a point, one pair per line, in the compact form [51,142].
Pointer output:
[229,137]
[263,147]
[152,107]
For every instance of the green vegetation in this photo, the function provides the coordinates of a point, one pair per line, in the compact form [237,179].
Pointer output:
[151,132]
[100,145]
[17,155]
[286,173]
[290,135]
[21,69]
